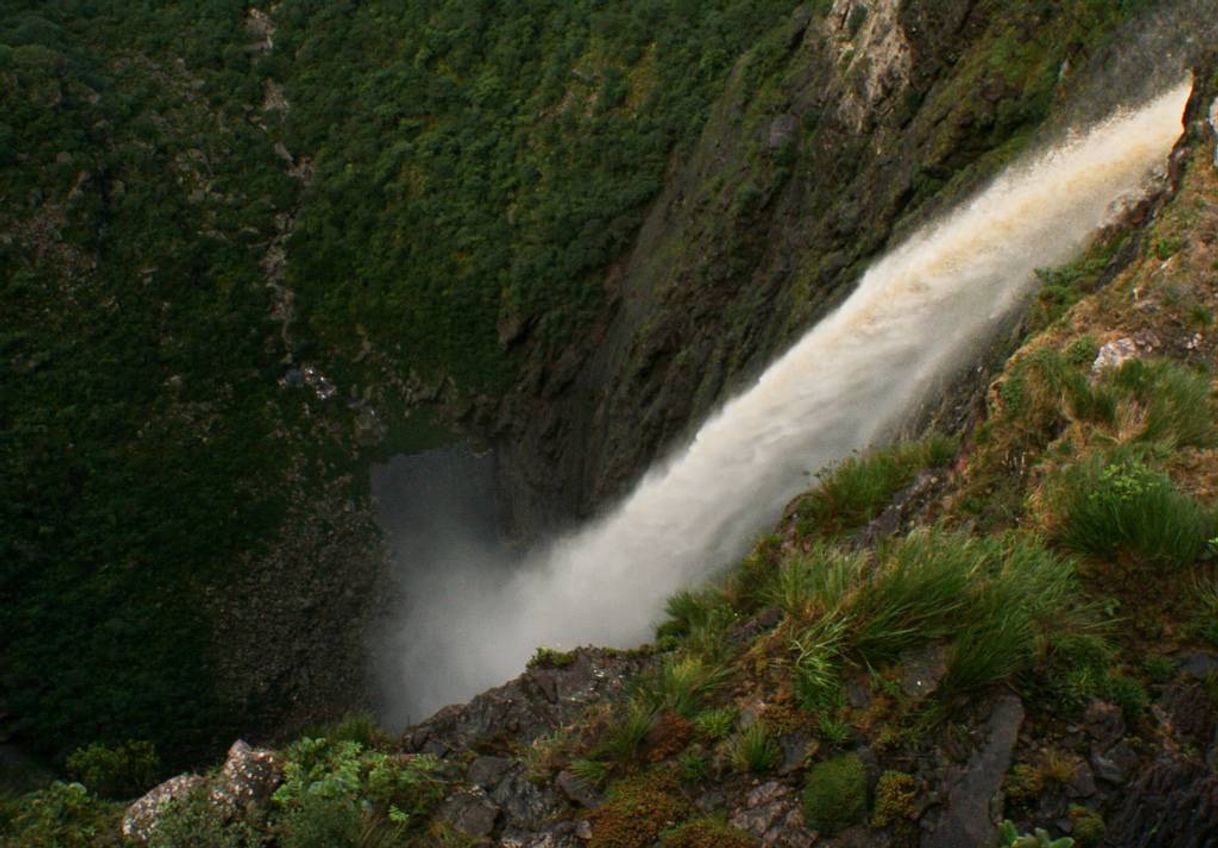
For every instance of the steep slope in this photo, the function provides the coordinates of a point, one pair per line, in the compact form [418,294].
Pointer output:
[1016,623]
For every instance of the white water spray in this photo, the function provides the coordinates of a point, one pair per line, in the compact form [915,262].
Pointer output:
[915,317]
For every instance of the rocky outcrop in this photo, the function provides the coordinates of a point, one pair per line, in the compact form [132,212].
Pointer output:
[246,781]
[537,702]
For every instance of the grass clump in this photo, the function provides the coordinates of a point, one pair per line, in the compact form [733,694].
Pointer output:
[835,794]
[1164,403]
[680,686]
[715,724]
[754,750]
[855,491]
[1122,507]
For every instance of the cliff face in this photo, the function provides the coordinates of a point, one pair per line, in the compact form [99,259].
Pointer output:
[844,129]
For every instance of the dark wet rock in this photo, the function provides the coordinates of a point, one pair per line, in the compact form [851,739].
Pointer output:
[141,818]
[530,706]
[487,771]
[565,834]
[966,819]
[1191,716]
[470,812]
[1200,665]
[858,695]
[922,670]
[249,777]
[577,791]
[1116,765]
[1173,803]
[526,805]
[773,813]
[1104,724]
[1082,785]
[794,747]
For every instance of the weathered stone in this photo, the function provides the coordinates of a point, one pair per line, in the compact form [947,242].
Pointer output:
[576,790]
[249,777]
[772,812]
[967,820]
[471,812]
[1104,723]
[526,805]
[783,131]
[922,670]
[1199,665]
[1114,354]
[794,748]
[1115,765]
[533,704]
[141,818]
[1082,785]
[487,771]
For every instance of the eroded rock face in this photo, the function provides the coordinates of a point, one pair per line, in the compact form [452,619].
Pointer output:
[772,812]
[533,704]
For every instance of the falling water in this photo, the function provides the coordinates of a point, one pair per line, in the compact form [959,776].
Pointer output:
[917,315]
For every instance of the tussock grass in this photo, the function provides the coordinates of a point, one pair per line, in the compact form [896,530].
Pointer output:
[995,602]
[1119,506]
[754,750]
[1170,402]
[681,685]
[854,491]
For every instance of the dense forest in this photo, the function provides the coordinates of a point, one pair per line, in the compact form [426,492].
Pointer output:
[434,168]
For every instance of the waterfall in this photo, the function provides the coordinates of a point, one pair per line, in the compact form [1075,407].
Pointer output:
[918,314]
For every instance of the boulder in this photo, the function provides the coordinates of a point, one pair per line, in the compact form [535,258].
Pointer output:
[141,818]
[249,777]
[470,812]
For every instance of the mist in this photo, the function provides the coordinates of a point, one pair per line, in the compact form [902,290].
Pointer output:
[474,614]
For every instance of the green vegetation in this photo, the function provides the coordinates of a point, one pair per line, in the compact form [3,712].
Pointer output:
[835,794]
[707,833]
[1009,837]
[123,771]
[64,815]
[192,822]
[545,657]
[754,749]
[895,794]
[853,492]
[1124,507]
[638,811]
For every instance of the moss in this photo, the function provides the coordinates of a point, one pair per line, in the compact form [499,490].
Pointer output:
[707,833]
[638,810]
[835,794]
[895,794]
[1089,826]
[1024,783]
[545,657]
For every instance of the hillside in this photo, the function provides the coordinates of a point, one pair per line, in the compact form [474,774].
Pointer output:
[247,254]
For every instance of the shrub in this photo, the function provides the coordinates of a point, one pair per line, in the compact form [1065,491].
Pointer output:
[317,820]
[358,727]
[1009,837]
[123,771]
[1124,507]
[754,749]
[64,815]
[835,794]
